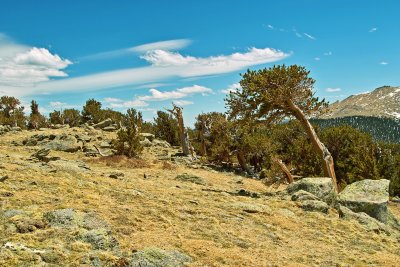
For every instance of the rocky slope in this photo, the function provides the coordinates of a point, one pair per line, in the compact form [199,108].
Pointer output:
[61,204]
[382,102]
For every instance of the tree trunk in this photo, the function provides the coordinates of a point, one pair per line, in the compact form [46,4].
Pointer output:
[177,111]
[283,167]
[203,149]
[321,149]
[242,160]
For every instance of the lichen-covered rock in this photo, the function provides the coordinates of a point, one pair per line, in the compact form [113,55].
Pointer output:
[369,196]
[155,257]
[61,218]
[251,208]
[161,143]
[367,221]
[314,205]
[320,187]
[146,142]
[148,136]
[67,218]
[303,195]
[103,124]
[66,143]
[99,239]
[185,177]
[70,166]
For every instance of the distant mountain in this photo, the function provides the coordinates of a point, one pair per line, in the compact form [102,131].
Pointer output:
[382,102]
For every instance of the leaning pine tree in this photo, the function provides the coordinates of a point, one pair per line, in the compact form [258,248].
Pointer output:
[273,94]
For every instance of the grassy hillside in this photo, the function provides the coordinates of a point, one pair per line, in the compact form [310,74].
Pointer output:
[145,206]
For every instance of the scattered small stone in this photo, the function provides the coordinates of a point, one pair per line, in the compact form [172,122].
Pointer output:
[245,193]
[3,178]
[116,175]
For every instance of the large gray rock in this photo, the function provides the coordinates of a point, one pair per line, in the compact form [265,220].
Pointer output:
[66,143]
[367,221]
[320,187]
[369,196]
[161,143]
[103,124]
[155,257]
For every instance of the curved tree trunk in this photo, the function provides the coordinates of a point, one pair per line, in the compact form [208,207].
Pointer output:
[283,167]
[321,149]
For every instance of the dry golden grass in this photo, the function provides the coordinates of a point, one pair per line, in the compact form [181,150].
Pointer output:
[118,161]
[159,211]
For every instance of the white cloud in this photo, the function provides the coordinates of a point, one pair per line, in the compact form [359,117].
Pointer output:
[383,63]
[129,104]
[231,88]
[269,26]
[329,53]
[373,29]
[28,79]
[120,103]
[332,90]
[236,60]
[41,57]
[112,100]
[309,36]
[22,66]
[56,104]
[182,102]
[156,95]
[195,89]
[163,45]
[60,105]
[317,58]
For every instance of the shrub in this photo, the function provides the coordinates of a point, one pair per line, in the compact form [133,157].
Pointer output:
[128,138]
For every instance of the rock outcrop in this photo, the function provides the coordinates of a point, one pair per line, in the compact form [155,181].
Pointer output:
[320,187]
[368,196]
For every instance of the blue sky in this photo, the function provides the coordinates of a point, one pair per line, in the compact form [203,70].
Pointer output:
[147,54]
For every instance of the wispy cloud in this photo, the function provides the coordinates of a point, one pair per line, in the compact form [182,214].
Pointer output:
[299,35]
[182,103]
[383,63]
[333,90]
[317,58]
[169,45]
[28,70]
[119,103]
[329,53]
[164,65]
[269,26]
[156,95]
[231,88]
[373,29]
[309,36]
[61,105]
